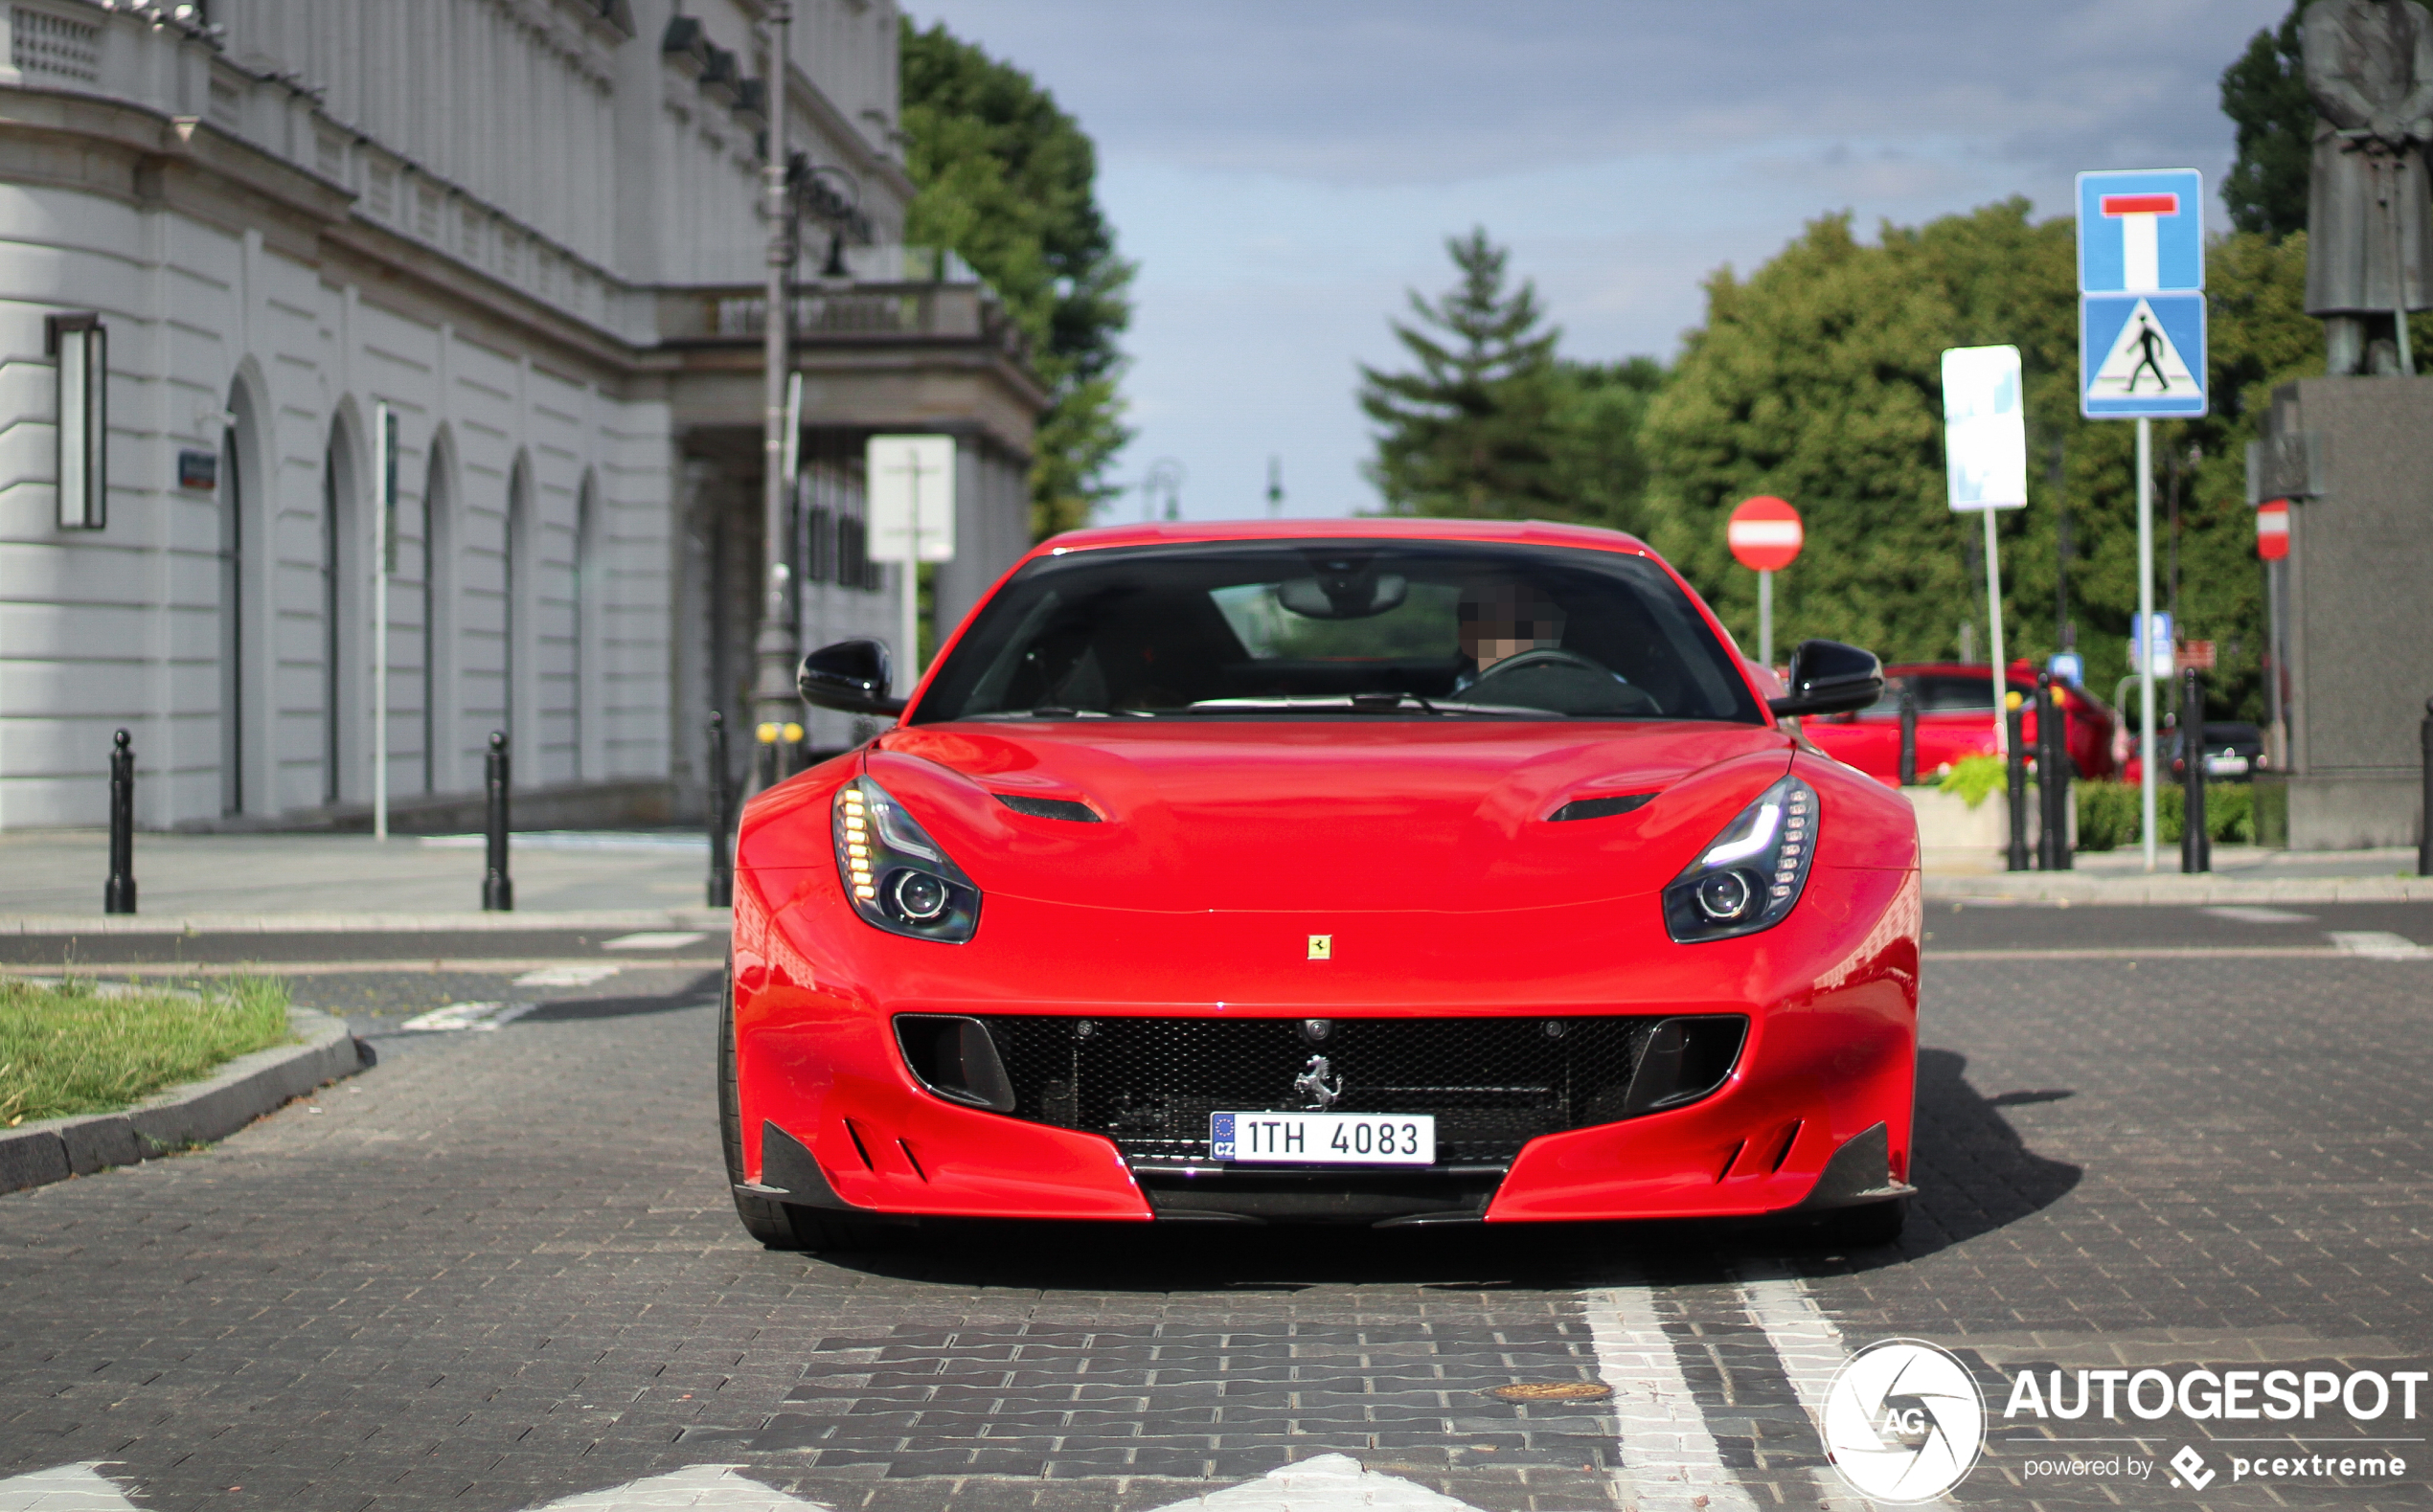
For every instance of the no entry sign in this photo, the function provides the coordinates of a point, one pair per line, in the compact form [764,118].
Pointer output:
[2272,531]
[1765,534]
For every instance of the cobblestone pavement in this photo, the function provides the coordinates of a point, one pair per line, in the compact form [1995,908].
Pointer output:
[500,1270]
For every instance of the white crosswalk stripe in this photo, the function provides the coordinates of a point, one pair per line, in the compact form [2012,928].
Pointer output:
[1811,1350]
[64,1488]
[1671,1462]
[1321,1483]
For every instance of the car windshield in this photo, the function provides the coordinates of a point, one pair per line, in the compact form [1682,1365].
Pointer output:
[1340,629]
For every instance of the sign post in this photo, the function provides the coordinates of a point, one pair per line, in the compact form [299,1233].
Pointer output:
[2142,354]
[1984,440]
[912,520]
[2272,544]
[1765,536]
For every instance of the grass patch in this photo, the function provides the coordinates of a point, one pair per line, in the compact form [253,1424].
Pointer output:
[74,1048]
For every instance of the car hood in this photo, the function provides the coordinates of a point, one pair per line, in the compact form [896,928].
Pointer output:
[1336,816]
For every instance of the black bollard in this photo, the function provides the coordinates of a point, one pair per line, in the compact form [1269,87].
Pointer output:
[2195,846]
[2055,769]
[498,890]
[1908,735]
[2425,814]
[117,893]
[2046,841]
[2018,784]
[721,860]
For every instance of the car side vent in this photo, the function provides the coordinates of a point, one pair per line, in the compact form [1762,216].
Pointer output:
[1049,807]
[1603,807]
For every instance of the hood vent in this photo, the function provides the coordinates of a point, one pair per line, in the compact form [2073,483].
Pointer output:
[1602,807]
[1049,807]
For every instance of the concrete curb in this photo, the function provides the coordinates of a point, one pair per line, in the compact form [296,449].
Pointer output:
[2070,887]
[471,923]
[55,1149]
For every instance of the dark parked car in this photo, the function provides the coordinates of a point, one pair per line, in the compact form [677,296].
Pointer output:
[2234,752]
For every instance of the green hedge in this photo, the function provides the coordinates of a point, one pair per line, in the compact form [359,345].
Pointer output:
[2109,814]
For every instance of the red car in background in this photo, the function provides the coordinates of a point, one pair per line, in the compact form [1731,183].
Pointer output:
[1955,719]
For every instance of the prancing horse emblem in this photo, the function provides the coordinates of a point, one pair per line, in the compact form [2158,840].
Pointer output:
[1311,1084]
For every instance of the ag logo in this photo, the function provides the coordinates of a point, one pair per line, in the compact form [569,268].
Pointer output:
[1903,1421]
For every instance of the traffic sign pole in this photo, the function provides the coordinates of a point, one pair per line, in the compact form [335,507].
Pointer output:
[1766,618]
[1765,534]
[1994,617]
[2145,633]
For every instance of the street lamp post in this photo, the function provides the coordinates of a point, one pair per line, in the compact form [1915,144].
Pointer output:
[774,650]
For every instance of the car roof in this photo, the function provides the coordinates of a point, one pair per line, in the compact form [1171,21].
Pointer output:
[1534,532]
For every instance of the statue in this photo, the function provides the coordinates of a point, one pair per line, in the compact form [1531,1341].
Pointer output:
[2370,68]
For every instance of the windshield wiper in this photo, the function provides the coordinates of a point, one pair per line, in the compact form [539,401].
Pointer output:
[1387,702]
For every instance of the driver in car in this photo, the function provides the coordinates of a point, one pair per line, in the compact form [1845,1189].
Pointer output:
[1512,634]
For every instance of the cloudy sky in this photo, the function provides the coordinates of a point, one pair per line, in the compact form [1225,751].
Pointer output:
[1283,170]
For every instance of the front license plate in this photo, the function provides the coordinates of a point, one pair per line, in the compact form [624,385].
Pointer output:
[1323,1139]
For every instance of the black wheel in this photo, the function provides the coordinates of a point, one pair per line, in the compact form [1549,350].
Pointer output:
[1868,1227]
[784,1225]
[772,1223]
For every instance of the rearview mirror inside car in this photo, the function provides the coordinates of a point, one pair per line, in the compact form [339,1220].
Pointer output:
[852,675]
[1830,677]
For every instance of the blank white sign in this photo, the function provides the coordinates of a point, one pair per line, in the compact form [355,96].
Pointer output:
[1985,428]
[912,498]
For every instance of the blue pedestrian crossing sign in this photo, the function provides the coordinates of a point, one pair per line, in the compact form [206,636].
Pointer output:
[2142,354]
[2141,231]
[2142,294]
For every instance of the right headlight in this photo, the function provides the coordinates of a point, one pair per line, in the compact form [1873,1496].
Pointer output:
[899,879]
[1751,874]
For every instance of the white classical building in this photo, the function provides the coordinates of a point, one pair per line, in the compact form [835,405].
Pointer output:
[528,228]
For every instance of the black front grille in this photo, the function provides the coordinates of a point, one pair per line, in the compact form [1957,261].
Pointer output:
[1150,1083]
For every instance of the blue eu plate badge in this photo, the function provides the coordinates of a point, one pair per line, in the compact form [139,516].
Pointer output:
[1220,1136]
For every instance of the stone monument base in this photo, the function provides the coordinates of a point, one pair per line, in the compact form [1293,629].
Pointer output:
[2359,605]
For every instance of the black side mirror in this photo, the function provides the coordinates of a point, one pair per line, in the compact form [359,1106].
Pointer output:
[851,675]
[1830,677]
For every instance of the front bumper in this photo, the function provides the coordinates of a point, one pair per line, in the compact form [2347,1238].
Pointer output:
[1827,1067]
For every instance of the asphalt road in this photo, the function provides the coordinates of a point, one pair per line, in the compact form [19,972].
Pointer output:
[500,1269]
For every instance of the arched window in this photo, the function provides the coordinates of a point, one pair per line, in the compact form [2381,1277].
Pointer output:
[516,622]
[588,658]
[333,627]
[439,619]
[233,699]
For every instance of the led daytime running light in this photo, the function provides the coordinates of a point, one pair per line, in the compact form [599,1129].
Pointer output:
[1751,876]
[897,877]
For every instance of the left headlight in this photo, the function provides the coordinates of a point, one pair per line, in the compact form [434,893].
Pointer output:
[898,878]
[1751,874]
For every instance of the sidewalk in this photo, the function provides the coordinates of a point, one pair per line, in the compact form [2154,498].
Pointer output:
[52,879]
[2240,875]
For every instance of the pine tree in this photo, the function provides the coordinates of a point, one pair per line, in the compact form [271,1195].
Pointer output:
[2264,95]
[1468,433]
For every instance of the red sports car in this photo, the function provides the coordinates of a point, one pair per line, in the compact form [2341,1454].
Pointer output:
[1355,871]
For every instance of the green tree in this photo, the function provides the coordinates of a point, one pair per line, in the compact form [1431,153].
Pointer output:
[1009,181]
[2264,92]
[1818,378]
[1468,433]
[1600,472]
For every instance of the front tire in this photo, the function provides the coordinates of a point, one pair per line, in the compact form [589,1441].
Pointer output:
[771,1223]
[777,1224]
[1870,1226]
